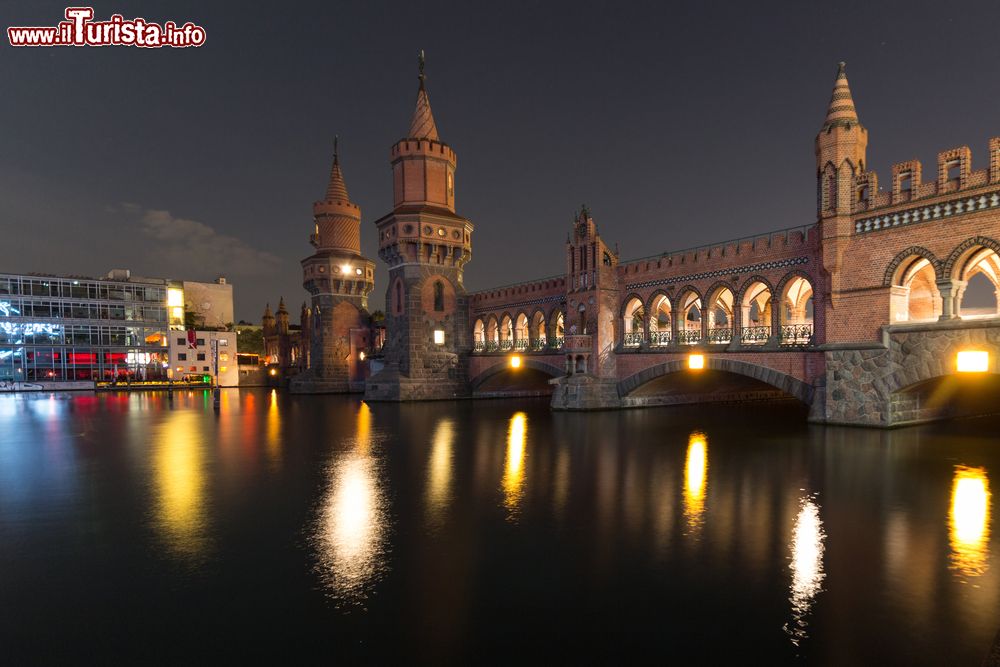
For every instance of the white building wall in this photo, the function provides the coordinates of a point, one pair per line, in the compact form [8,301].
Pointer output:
[185,361]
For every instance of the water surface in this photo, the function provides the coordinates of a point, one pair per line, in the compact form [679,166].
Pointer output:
[133,527]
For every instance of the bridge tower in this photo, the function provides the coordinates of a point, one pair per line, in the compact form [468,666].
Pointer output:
[426,245]
[338,278]
[591,319]
[840,161]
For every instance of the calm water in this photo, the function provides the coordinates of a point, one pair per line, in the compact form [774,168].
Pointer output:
[321,528]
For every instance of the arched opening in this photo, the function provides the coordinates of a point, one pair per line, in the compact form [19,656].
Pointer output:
[530,379]
[797,312]
[756,312]
[981,273]
[538,331]
[720,315]
[581,364]
[558,330]
[521,332]
[581,323]
[945,397]
[659,321]
[690,313]
[492,334]
[633,318]
[722,380]
[506,333]
[479,336]
[914,296]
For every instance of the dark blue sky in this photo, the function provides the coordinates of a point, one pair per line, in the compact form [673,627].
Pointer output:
[678,124]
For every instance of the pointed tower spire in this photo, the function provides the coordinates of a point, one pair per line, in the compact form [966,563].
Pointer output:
[422,126]
[281,305]
[337,189]
[841,110]
[267,311]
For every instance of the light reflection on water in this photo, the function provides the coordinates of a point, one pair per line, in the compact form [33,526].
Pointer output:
[439,471]
[695,480]
[969,521]
[513,473]
[807,566]
[181,512]
[350,532]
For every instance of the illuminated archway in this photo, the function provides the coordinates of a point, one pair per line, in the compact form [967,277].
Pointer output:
[796,313]
[506,333]
[720,315]
[558,329]
[479,335]
[492,333]
[521,332]
[633,316]
[689,312]
[755,308]
[538,330]
[660,332]
[914,295]
[979,269]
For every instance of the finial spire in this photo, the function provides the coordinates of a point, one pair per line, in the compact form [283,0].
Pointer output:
[841,110]
[422,126]
[336,153]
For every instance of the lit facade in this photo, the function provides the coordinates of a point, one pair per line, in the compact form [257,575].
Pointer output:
[195,360]
[63,329]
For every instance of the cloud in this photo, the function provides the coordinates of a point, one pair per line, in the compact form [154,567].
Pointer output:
[189,246]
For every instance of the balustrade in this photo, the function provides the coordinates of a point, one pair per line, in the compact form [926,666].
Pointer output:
[688,336]
[796,334]
[660,338]
[720,335]
[755,335]
[633,339]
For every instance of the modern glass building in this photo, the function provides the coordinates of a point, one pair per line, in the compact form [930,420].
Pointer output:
[58,328]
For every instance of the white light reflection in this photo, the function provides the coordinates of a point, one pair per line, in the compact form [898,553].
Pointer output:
[969,521]
[351,530]
[695,480]
[513,474]
[807,567]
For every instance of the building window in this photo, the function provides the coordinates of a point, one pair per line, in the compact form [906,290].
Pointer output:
[201,341]
[181,341]
[182,356]
[439,296]
[204,368]
[201,356]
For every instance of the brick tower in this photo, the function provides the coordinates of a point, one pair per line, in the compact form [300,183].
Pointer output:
[426,245]
[840,162]
[339,279]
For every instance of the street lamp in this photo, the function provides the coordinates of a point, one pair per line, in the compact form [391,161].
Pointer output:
[696,362]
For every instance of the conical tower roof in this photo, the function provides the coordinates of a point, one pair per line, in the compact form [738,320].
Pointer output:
[841,110]
[337,189]
[422,126]
[267,311]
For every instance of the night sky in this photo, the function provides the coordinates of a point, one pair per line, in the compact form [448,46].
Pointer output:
[677,124]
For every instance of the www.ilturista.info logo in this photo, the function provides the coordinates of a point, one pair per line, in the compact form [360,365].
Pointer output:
[80,30]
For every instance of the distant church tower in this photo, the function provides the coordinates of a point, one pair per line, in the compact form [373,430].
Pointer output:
[339,280]
[426,245]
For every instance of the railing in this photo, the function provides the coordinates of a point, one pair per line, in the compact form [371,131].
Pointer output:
[479,346]
[506,345]
[720,335]
[491,346]
[538,344]
[557,343]
[521,344]
[796,334]
[688,336]
[755,335]
[633,339]
[660,338]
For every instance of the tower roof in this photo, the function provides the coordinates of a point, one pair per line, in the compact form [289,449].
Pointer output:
[841,110]
[422,126]
[337,189]
[267,311]
[281,305]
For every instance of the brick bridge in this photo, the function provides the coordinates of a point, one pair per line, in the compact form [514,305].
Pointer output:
[866,314]
[860,315]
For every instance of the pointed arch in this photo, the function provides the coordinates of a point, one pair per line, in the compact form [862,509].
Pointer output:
[966,249]
[913,251]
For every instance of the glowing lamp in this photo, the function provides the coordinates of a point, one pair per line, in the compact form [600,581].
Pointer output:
[177,313]
[361,355]
[345,268]
[515,361]
[973,361]
[175,297]
[439,337]
[274,372]
[696,361]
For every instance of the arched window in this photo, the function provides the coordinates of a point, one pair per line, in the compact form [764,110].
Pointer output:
[633,320]
[796,312]
[756,314]
[438,296]
[981,272]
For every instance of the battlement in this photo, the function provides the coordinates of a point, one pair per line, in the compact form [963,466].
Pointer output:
[719,256]
[954,174]
[424,148]
[531,289]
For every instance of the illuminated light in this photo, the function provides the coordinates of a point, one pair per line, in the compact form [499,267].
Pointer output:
[515,361]
[361,355]
[357,271]
[513,475]
[6,308]
[180,481]
[696,361]
[969,521]
[345,268]
[274,371]
[273,429]
[177,313]
[223,369]
[175,297]
[180,368]
[973,361]
[439,471]
[695,479]
[439,337]
[807,566]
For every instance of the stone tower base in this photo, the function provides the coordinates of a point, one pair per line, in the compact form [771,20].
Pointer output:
[307,383]
[391,385]
[585,392]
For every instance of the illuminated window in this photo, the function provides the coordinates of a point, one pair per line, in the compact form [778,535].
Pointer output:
[438,337]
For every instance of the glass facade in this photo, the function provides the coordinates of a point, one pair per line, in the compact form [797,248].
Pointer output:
[82,329]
